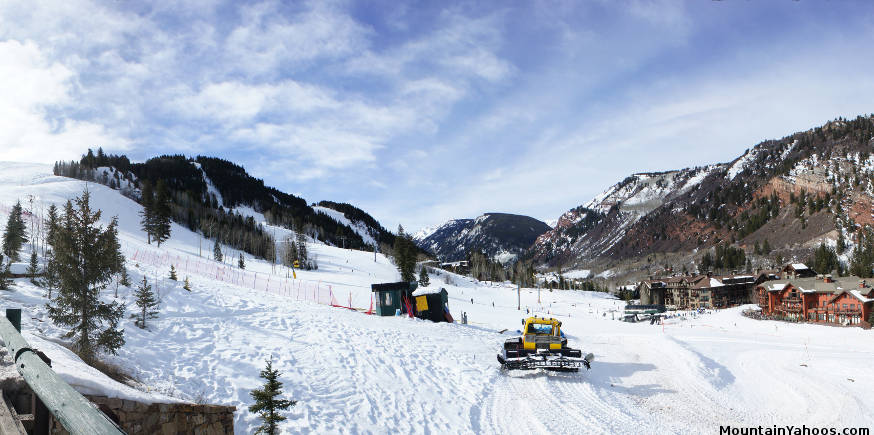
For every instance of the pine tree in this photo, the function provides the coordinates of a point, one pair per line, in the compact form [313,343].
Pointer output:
[217,251]
[706,262]
[5,280]
[124,280]
[766,247]
[186,285]
[50,279]
[241,263]
[291,252]
[147,302]
[405,255]
[863,255]
[33,267]
[302,248]
[267,404]
[15,235]
[147,213]
[173,273]
[423,277]
[50,272]
[85,267]
[161,212]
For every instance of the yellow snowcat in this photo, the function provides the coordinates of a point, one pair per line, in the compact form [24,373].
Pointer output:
[542,345]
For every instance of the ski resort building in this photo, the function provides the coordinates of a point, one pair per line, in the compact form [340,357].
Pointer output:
[847,301]
[798,270]
[699,291]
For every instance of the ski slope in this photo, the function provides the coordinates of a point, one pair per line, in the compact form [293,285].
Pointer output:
[353,373]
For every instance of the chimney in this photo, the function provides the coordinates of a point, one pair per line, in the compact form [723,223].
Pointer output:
[828,278]
[862,284]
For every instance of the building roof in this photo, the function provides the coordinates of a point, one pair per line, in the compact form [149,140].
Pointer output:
[799,266]
[421,291]
[861,297]
[818,285]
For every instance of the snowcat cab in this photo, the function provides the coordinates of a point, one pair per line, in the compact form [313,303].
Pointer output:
[542,345]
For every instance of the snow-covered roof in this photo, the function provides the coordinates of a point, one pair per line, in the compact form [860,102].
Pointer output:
[860,296]
[798,266]
[421,291]
[777,287]
[715,283]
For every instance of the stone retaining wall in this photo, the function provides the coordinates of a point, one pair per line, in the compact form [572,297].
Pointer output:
[164,418]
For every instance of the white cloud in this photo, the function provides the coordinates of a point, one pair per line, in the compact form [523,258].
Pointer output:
[34,88]
[268,42]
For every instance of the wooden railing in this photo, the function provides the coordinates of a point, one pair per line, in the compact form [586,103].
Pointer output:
[73,411]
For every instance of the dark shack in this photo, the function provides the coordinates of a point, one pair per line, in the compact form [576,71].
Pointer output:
[432,304]
[393,296]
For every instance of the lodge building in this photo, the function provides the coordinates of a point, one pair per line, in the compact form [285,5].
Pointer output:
[699,291]
[821,299]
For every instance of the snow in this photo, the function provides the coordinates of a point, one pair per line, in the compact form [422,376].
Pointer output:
[858,295]
[741,164]
[430,290]
[609,273]
[353,373]
[210,188]
[799,266]
[578,274]
[247,211]
[696,179]
[715,283]
[505,257]
[358,227]
[424,233]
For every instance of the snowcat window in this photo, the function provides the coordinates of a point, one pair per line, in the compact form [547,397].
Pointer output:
[538,328]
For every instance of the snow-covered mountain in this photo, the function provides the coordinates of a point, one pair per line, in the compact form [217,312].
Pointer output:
[356,373]
[500,235]
[749,200]
[370,230]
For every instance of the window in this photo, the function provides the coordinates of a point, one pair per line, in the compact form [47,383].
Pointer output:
[539,328]
[387,299]
[845,306]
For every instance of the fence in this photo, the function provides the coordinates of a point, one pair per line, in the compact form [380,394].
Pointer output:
[297,289]
[187,264]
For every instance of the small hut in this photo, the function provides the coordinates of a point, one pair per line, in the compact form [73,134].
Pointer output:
[393,296]
[432,304]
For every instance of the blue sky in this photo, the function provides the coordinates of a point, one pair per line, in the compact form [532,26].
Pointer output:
[422,112]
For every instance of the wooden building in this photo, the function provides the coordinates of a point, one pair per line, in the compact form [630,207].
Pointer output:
[699,291]
[846,301]
[798,270]
[431,303]
[393,296]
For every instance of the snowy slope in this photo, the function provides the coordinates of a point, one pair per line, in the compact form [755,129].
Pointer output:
[359,227]
[354,373]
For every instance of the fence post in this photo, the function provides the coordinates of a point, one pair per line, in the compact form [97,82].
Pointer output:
[14,316]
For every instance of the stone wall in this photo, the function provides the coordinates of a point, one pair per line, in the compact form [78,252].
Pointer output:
[164,418]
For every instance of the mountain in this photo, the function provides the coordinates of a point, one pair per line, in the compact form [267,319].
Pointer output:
[791,192]
[500,235]
[370,230]
[220,199]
